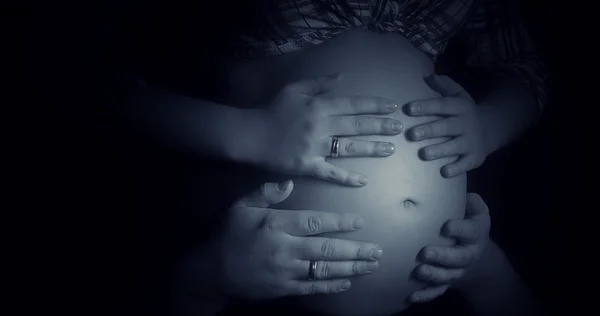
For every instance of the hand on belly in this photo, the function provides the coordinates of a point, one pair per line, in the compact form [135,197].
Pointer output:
[406,201]
[299,129]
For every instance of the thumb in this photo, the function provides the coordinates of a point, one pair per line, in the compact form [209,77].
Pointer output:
[476,205]
[444,85]
[268,194]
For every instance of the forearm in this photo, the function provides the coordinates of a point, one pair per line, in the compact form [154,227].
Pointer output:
[495,289]
[505,114]
[195,125]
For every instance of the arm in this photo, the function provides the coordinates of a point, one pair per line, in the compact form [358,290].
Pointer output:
[195,125]
[494,288]
[500,48]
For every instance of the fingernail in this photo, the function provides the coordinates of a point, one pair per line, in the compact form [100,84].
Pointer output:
[397,127]
[358,223]
[345,285]
[376,254]
[392,107]
[388,148]
[282,186]
[417,133]
[414,108]
[372,266]
[446,172]
[363,180]
[429,154]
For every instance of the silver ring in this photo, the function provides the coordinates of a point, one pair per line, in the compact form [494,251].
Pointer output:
[335,147]
[312,266]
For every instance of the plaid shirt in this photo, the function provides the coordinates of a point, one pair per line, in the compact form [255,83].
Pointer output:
[496,42]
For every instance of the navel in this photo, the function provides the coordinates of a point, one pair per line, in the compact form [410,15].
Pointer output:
[408,203]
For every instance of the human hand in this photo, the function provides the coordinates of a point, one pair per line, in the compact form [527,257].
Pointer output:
[265,253]
[460,121]
[444,266]
[301,126]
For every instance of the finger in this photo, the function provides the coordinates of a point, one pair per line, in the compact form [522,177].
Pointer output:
[328,172]
[454,147]
[363,125]
[436,275]
[314,86]
[268,194]
[451,257]
[332,249]
[476,205]
[306,223]
[445,106]
[444,85]
[465,231]
[318,287]
[335,269]
[444,127]
[354,105]
[350,147]
[428,294]
[464,164]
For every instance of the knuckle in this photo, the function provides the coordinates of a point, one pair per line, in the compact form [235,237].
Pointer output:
[328,288]
[299,163]
[327,249]
[344,223]
[359,123]
[308,124]
[312,289]
[334,175]
[275,260]
[276,254]
[358,268]
[386,125]
[304,144]
[362,253]
[314,224]
[324,270]
[355,104]
[350,147]
[271,222]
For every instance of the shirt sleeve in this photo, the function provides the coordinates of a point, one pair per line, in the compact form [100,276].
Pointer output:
[497,42]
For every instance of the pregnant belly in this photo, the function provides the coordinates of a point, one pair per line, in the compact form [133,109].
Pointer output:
[406,200]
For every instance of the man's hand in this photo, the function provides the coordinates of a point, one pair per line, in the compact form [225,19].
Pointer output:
[444,266]
[460,121]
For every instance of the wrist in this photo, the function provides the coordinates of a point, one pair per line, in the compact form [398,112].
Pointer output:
[248,136]
[490,135]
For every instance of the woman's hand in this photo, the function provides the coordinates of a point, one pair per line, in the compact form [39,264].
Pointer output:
[299,128]
[266,253]
[444,266]
[460,121]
